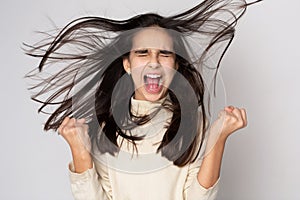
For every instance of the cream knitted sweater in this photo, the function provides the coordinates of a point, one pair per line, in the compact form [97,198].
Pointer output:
[143,176]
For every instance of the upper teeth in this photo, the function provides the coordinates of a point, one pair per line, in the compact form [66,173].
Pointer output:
[153,75]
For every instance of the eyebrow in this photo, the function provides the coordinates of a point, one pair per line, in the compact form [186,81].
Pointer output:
[142,51]
[166,52]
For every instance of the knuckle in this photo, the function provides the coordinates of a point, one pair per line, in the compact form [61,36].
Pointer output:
[69,131]
[64,130]
[233,119]
[245,123]
[240,123]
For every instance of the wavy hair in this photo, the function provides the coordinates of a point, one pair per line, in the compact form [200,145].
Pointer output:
[88,53]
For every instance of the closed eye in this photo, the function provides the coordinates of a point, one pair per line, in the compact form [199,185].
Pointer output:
[166,53]
[141,52]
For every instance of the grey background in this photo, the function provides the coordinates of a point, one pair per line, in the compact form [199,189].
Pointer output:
[260,73]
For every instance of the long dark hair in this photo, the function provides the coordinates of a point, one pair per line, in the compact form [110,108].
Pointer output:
[91,50]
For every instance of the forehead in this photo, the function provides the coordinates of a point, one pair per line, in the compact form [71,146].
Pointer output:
[152,37]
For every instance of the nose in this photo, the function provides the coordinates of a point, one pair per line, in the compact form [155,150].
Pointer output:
[154,61]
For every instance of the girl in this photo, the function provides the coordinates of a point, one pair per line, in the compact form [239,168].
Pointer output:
[130,102]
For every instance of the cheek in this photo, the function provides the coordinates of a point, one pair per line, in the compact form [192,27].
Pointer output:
[136,75]
[138,62]
[168,63]
[170,68]
[169,73]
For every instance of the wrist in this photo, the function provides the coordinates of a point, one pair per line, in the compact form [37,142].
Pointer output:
[81,152]
[220,144]
[223,137]
[82,161]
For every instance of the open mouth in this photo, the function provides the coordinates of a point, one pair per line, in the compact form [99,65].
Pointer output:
[153,83]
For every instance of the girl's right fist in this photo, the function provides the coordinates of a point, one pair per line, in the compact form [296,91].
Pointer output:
[75,132]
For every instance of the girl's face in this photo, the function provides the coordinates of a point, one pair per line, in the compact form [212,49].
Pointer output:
[151,63]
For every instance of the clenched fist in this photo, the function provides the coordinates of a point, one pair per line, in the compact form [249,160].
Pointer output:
[229,120]
[75,132]
[233,119]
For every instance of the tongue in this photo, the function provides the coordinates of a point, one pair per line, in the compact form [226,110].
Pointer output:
[152,85]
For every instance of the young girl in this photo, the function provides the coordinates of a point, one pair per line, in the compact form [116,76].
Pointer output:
[130,100]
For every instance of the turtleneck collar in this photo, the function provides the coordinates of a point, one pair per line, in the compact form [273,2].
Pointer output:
[144,107]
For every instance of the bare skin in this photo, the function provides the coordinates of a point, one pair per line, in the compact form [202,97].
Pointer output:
[73,131]
[154,46]
[209,172]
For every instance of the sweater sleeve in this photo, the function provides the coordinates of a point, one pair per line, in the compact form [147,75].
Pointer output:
[88,185]
[193,190]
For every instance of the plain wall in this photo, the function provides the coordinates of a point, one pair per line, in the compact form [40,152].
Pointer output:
[260,73]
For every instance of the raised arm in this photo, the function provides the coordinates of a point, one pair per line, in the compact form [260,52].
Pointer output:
[229,120]
[75,133]
[86,182]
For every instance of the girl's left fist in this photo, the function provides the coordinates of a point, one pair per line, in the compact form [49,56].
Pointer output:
[233,119]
